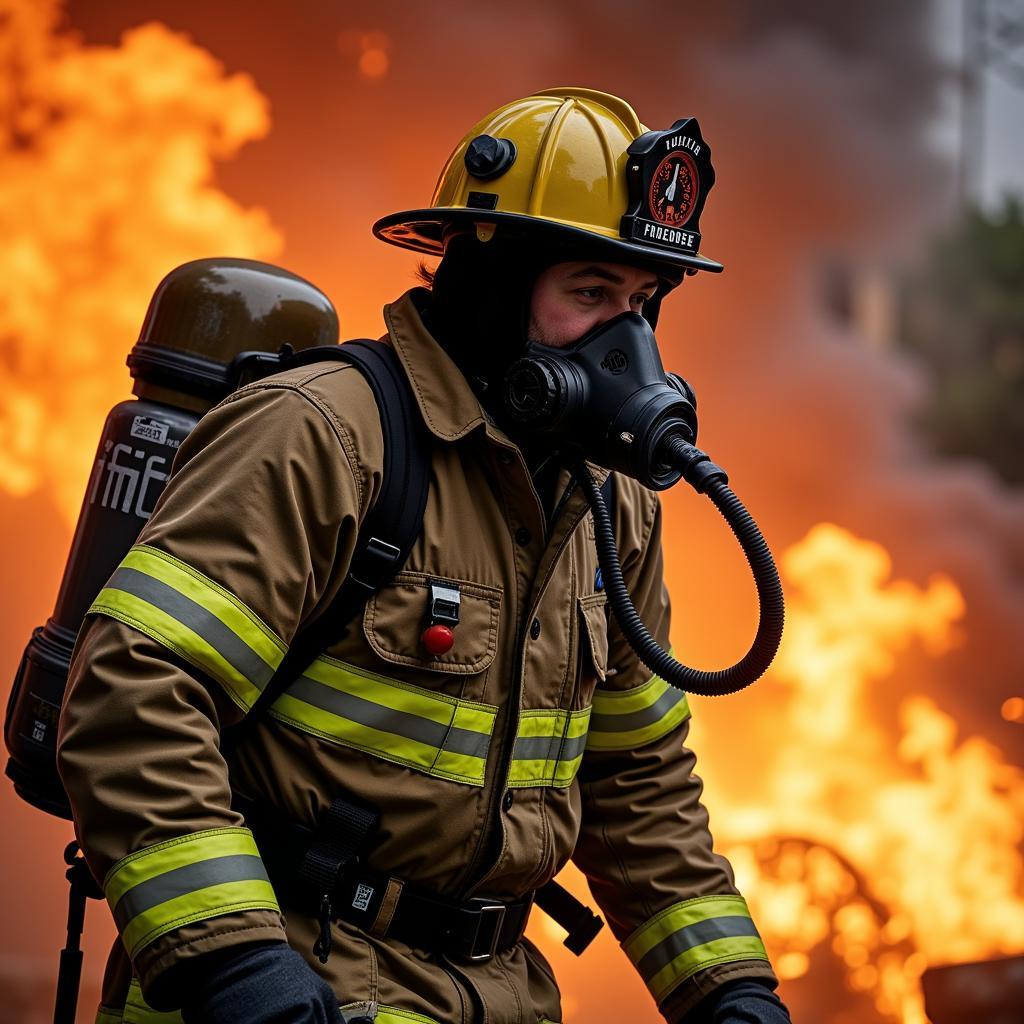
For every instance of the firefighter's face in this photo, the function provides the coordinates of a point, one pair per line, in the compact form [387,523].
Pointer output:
[570,299]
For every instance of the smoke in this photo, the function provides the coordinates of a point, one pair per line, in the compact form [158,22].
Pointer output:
[818,117]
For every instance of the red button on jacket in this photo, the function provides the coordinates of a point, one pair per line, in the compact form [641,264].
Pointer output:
[438,639]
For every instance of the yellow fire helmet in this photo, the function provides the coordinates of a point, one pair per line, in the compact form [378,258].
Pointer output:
[574,168]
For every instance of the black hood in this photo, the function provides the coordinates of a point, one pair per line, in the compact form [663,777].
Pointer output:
[479,306]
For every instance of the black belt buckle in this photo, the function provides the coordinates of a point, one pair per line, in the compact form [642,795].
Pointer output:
[490,918]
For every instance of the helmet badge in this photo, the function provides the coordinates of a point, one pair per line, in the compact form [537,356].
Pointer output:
[669,175]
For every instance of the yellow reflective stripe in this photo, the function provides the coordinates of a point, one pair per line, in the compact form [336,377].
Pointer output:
[431,732]
[624,719]
[138,1011]
[549,747]
[690,936]
[392,1015]
[233,613]
[191,878]
[195,617]
[146,618]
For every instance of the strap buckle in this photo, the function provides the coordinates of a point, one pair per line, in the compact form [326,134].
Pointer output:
[377,563]
[490,917]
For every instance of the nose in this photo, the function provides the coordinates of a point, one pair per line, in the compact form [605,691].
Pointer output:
[617,306]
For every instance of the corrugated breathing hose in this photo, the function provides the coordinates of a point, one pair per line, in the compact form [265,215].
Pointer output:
[706,478]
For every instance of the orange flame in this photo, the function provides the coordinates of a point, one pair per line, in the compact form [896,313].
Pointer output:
[884,846]
[900,846]
[106,155]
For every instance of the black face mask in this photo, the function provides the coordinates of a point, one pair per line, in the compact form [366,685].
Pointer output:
[607,397]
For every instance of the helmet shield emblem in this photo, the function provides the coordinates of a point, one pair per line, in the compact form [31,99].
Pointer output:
[669,174]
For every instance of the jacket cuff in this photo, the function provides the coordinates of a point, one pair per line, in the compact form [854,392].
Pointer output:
[691,992]
[188,896]
[685,940]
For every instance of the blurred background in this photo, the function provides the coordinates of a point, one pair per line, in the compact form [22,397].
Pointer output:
[860,367]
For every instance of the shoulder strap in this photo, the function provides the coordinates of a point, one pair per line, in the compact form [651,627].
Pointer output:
[391,525]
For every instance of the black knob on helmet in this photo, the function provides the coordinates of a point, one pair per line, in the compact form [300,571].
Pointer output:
[487,157]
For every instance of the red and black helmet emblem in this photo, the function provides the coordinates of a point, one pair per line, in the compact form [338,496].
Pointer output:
[674,189]
[669,175]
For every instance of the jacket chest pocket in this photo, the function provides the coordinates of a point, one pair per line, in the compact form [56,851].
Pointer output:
[593,658]
[383,693]
[396,616]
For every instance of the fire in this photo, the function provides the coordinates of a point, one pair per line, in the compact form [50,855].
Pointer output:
[106,158]
[894,847]
[871,844]
[1013,709]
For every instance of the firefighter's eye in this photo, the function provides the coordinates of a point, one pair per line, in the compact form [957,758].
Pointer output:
[590,294]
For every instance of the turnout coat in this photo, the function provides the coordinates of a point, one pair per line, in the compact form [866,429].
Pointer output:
[537,738]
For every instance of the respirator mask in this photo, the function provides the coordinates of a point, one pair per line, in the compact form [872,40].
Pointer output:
[606,398]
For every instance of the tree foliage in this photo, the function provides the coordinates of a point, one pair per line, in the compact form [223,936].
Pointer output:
[964,317]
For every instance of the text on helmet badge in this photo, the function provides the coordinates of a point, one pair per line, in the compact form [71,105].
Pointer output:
[669,175]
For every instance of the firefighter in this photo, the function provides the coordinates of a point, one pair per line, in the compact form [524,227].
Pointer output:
[467,766]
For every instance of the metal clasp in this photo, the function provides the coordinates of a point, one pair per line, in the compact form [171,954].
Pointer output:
[445,600]
[493,915]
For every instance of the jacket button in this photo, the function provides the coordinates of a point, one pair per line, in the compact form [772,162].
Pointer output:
[437,639]
[522,536]
[535,629]
[506,803]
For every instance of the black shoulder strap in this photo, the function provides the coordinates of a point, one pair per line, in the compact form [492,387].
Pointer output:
[393,522]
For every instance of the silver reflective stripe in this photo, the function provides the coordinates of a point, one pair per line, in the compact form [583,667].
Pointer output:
[186,879]
[692,936]
[648,716]
[197,618]
[548,748]
[423,729]
[627,719]
[379,716]
[688,937]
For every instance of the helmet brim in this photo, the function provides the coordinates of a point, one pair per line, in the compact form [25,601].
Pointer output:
[424,230]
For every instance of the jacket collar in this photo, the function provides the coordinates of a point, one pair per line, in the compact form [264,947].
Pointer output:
[449,407]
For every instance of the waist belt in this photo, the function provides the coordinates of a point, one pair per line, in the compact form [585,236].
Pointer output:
[319,872]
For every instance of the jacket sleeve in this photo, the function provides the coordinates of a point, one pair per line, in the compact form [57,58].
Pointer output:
[252,535]
[644,844]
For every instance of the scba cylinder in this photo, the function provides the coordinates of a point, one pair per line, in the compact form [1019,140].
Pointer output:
[208,321]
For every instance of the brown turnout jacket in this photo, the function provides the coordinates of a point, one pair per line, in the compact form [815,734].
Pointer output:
[537,738]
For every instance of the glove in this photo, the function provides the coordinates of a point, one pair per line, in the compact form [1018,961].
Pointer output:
[748,1001]
[262,984]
